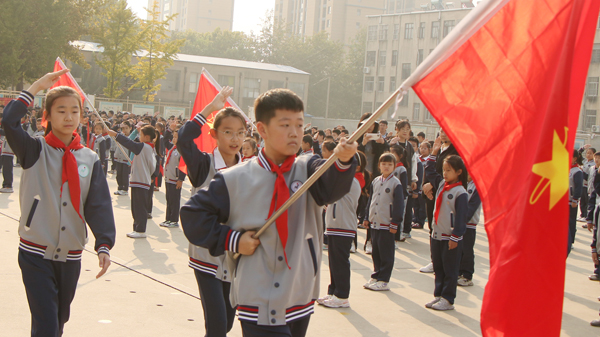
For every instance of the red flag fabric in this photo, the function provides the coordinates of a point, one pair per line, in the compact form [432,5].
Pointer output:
[508,95]
[66,80]
[208,88]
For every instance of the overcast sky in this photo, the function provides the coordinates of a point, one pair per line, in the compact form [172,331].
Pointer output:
[247,14]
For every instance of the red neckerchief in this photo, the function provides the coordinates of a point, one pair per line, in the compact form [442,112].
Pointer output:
[105,134]
[400,164]
[281,194]
[169,154]
[151,144]
[438,201]
[574,165]
[247,158]
[70,172]
[361,179]
[93,142]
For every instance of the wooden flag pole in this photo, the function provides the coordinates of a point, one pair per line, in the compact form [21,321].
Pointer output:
[321,170]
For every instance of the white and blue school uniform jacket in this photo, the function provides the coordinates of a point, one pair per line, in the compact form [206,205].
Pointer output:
[264,289]
[101,147]
[340,217]
[386,206]
[474,206]
[143,165]
[453,212]
[202,167]
[50,226]
[119,156]
[172,172]
[5,149]
[575,184]
[401,173]
[587,168]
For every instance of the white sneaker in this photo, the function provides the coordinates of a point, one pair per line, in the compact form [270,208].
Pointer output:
[353,248]
[430,304]
[368,284]
[124,193]
[463,282]
[403,237]
[6,190]
[171,224]
[379,286]
[427,269]
[117,192]
[442,305]
[334,302]
[397,244]
[136,235]
[369,248]
[164,224]
[323,299]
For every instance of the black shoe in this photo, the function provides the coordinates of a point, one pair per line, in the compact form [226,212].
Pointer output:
[595,322]
[149,216]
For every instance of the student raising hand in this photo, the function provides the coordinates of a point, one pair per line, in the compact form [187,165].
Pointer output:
[46,81]
[345,151]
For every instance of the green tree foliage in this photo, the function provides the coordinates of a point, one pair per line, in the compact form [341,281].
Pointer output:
[116,30]
[157,53]
[34,32]
[219,43]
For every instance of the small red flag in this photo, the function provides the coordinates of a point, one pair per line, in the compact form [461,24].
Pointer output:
[507,87]
[208,88]
[66,80]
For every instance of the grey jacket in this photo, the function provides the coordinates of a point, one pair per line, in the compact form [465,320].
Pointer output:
[144,162]
[387,202]
[340,217]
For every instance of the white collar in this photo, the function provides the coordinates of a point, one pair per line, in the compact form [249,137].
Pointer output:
[220,162]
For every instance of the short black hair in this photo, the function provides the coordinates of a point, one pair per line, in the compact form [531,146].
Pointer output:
[413,139]
[421,134]
[402,123]
[307,139]
[276,99]
[330,138]
[387,157]
[321,133]
[345,131]
[329,145]
[336,131]
[383,121]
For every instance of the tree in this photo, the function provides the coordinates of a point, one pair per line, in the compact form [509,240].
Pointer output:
[34,32]
[116,30]
[218,43]
[157,53]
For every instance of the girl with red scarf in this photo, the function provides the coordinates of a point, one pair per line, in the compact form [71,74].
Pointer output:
[62,188]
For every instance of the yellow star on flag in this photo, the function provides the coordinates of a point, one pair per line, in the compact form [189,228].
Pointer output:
[555,172]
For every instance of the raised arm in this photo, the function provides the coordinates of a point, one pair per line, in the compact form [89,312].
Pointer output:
[26,148]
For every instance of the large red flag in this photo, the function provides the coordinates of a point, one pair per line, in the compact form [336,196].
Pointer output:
[66,80]
[506,86]
[208,88]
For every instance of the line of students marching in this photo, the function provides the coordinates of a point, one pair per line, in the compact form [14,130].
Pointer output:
[274,284]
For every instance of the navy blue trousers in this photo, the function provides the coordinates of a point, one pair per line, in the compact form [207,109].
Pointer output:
[384,250]
[339,265]
[7,170]
[173,196]
[572,227]
[445,266]
[294,329]
[218,313]
[467,261]
[139,200]
[123,171]
[50,288]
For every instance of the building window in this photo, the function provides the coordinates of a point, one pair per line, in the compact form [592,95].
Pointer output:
[392,83]
[275,84]
[405,71]
[408,31]
[298,88]
[428,116]
[394,58]
[592,87]
[358,12]
[422,30]
[172,80]
[404,101]
[328,22]
[371,58]
[369,83]
[396,31]
[419,56]
[194,78]
[358,25]
[391,7]
[596,53]
[383,32]
[416,111]
[224,80]
[382,58]
[435,29]
[380,83]
[251,87]
[367,107]
[448,26]
[329,10]
[372,34]
[590,119]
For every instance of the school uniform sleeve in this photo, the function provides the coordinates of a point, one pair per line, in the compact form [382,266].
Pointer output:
[590,207]
[135,147]
[202,217]
[460,217]
[432,175]
[420,173]
[26,148]
[413,171]
[99,212]
[369,201]
[198,162]
[334,183]
[180,175]
[577,185]
[473,206]
[398,207]
[404,181]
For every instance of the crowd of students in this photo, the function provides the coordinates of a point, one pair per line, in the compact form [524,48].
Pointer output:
[388,183]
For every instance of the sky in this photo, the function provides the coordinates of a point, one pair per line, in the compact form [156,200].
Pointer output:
[247,14]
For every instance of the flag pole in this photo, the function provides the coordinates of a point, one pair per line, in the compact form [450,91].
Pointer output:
[93,108]
[399,94]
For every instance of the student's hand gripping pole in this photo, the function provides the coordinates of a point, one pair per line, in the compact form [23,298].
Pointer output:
[323,168]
